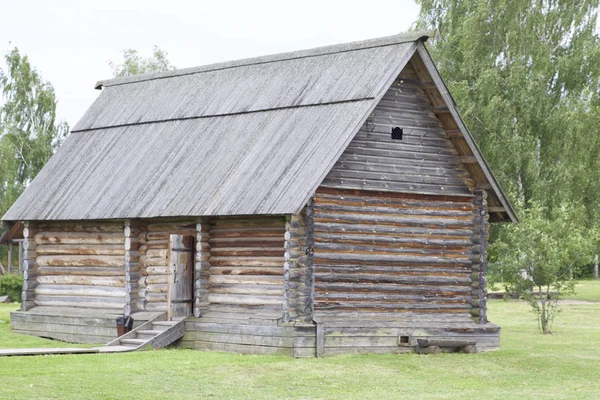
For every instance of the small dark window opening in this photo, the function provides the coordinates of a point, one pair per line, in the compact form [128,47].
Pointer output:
[403,339]
[396,133]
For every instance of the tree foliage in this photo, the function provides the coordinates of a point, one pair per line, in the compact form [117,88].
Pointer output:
[29,132]
[540,255]
[525,76]
[133,63]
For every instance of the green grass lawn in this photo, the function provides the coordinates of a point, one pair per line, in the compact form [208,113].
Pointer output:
[528,366]
[588,290]
[9,340]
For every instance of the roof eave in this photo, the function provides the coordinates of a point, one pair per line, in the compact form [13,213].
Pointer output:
[445,93]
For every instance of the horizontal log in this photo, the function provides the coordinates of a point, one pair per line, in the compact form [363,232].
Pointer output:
[156,279]
[247,289]
[80,301]
[79,238]
[157,288]
[395,199]
[244,299]
[373,306]
[90,249]
[402,279]
[81,261]
[424,188]
[77,270]
[263,271]
[324,257]
[399,298]
[393,231]
[358,249]
[247,261]
[69,226]
[80,290]
[405,241]
[422,288]
[400,221]
[116,281]
[244,279]
[217,251]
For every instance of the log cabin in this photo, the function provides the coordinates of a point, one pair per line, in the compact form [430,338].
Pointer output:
[309,203]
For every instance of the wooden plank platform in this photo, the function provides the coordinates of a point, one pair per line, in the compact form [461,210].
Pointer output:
[45,351]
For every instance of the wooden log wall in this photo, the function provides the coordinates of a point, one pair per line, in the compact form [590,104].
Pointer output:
[132,245]
[30,270]
[154,262]
[80,264]
[299,242]
[378,252]
[246,265]
[202,268]
[424,161]
[479,269]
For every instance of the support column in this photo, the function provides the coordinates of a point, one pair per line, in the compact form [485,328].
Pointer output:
[479,259]
[307,259]
[132,268]
[289,235]
[202,268]
[29,267]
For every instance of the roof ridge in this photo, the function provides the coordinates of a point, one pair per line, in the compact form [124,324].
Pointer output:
[405,37]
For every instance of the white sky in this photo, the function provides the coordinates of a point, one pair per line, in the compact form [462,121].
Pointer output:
[70,42]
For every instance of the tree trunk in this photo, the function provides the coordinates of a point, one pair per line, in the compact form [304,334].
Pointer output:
[596,266]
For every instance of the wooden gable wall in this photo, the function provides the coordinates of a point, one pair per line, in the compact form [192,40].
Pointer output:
[394,219]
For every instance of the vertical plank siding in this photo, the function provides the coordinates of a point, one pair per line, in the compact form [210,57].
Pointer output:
[246,265]
[81,265]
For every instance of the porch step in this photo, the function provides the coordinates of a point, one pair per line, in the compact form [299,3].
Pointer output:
[135,342]
[156,333]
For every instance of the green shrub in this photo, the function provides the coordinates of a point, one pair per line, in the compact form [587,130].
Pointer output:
[11,285]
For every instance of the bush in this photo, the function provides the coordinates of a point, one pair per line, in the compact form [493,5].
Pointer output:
[11,285]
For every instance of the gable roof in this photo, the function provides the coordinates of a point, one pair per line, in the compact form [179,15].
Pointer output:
[254,136]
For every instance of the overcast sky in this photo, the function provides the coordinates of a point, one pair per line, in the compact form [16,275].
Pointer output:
[70,42]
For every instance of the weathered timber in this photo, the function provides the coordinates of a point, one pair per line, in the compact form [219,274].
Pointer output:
[480,229]
[29,266]
[238,261]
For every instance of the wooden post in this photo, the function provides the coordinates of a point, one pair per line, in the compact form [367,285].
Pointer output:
[202,268]
[309,307]
[596,266]
[479,249]
[29,268]
[128,302]
[287,261]
[9,265]
[20,257]
[320,345]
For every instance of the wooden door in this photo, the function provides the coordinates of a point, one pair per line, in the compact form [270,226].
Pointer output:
[181,275]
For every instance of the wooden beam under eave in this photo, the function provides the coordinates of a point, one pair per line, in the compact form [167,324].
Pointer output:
[470,160]
[454,133]
[495,209]
[483,185]
[441,109]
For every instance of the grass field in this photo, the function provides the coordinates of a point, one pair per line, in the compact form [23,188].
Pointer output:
[529,365]
[587,290]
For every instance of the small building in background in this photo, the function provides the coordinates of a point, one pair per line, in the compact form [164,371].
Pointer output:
[310,203]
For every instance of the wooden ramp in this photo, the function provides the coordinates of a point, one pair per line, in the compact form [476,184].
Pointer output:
[155,333]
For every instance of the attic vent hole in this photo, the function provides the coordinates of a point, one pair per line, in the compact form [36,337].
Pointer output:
[397,133]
